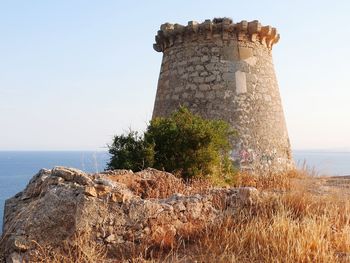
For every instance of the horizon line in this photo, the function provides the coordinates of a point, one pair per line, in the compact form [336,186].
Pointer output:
[106,150]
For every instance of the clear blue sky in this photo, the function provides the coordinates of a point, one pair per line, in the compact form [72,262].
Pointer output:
[74,73]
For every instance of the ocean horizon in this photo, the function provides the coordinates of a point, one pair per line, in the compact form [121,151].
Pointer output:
[18,167]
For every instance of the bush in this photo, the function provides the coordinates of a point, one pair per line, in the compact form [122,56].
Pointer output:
[183,143]
[130,152]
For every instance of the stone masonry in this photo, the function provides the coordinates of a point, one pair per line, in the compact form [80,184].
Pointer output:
[224,70]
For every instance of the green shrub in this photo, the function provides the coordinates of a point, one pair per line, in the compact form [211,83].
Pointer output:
[130,152]
[183,143]
[190,145]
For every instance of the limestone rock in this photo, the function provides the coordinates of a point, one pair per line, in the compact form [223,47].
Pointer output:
[90,191]
[14,258]
[248,195]
[71,174]
[116,209]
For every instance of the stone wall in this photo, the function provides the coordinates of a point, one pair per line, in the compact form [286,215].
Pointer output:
[223,70]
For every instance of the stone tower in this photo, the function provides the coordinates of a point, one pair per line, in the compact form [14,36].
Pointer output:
[222,70]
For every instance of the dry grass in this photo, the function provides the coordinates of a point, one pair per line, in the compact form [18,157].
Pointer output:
[162,186]
[288,225]
[295,227]
[80,249]
[269,181]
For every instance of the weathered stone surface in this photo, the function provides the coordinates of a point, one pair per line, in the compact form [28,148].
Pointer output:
[169,34]
[90,191]
[229,75]
[116,208]
[14,258]
[247,195]
[241,82]
[245,53]
[71,174]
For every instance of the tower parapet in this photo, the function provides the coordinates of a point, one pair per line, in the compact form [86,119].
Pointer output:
[224,70]
[169,34]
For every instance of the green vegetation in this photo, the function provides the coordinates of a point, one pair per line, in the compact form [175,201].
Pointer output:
[184,144]
[130,152]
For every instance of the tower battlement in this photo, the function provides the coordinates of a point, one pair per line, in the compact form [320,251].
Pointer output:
[224,28]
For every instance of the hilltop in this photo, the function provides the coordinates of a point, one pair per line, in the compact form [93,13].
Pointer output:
[65,215]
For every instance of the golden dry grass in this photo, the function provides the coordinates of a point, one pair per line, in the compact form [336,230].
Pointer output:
[295,227]
[289,224]
[162,187]
[80,249]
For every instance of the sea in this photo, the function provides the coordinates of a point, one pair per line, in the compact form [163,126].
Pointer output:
[18,167]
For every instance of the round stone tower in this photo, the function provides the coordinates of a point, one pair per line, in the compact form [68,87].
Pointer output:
[224,70]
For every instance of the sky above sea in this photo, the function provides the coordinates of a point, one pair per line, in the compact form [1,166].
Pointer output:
[75,73]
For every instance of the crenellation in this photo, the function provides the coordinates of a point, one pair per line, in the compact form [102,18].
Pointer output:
[225,29]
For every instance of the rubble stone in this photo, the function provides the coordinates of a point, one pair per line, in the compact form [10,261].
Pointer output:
[60,203]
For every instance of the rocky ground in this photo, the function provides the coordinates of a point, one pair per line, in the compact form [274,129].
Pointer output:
[324,185]
[116,210]
[117,215]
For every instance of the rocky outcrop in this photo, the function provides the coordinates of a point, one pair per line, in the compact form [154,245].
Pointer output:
[116,208]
